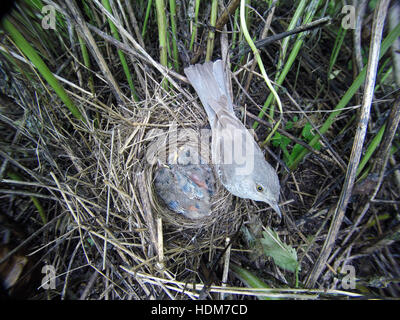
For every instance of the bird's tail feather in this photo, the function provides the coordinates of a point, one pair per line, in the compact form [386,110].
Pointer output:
[209,81]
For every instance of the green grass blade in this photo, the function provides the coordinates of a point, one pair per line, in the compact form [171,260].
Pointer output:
[37,4]
[371,149]
[162,35]
[288,65]
[387,42]
[256,53]
[235,26]
[252,281]
[121,55]
[146,18]
[285,42]
[86,61]
[32,55]
[211,34]
[16,177]
[196,19]
[336,49]
[172,8]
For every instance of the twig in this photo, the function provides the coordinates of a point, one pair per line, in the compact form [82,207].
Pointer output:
[361,7]
[89,286]
[160,243]
[264,42]
[224,17]
[211,269]
[226,265]
[257,56]
[134,23]
[262,36]
[147,212]
[108,200]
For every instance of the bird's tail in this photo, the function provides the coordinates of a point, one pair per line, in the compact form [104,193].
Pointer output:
[210,82]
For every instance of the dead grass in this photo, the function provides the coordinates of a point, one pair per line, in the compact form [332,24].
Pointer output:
[109,237]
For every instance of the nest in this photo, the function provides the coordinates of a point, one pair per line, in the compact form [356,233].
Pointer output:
[161,140]
[101,173]
[119,159]
[78,194]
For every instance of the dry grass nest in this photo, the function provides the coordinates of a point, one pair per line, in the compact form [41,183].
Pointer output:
[101,174]
[78,194]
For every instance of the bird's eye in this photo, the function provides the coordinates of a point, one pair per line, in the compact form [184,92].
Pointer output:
[260,188]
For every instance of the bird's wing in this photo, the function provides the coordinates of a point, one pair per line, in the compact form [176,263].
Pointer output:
[232,144]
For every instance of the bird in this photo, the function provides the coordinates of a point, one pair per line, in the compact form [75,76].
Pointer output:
[185,185]
[238,160]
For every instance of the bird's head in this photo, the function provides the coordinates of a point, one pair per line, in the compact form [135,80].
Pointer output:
[259,184]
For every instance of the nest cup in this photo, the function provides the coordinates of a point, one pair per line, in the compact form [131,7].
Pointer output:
[167,123]
[163,149]
[104,176]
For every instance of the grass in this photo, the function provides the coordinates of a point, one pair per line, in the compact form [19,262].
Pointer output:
[172,8]
[257,56]
[85,107]
[347,96]
[114,31]
[32,55]
[194,26]
[16,177]
[146,18]
[211,33]
[336,49]
[162,34]
[287,66]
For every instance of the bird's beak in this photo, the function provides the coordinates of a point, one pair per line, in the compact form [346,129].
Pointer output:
[274,205]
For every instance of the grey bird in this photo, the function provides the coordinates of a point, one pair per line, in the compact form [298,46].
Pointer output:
[238,160]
